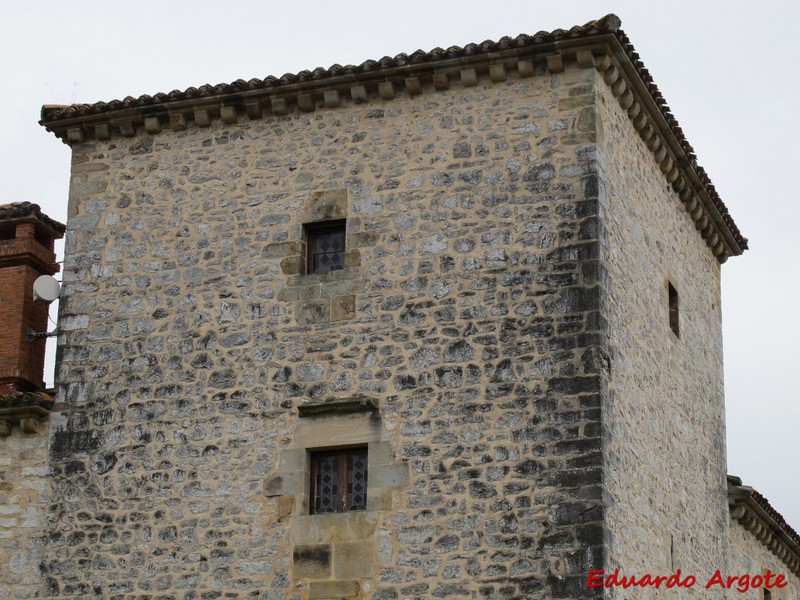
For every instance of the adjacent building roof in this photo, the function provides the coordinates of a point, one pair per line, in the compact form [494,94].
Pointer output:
[754,512]
[600,43]
[26,409]
[27,211]
[19,399]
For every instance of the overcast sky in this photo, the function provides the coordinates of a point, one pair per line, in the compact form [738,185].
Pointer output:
[728,70]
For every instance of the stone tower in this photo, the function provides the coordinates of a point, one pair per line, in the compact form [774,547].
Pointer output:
[423,328]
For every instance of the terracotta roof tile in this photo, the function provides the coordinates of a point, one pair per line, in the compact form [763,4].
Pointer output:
[737,490]
[15,399]
[609,24]
[18,211]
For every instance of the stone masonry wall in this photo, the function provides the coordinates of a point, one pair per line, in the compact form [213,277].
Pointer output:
[24,497]
[467,313]
[748,555]
[664,453]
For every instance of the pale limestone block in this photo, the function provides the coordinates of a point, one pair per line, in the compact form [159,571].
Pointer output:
[497,72]
[332,590]
[386,90]
[319,529]
[352,560]
[395,475]
[336,430]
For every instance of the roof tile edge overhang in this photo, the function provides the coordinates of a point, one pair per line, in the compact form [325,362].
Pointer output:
[17,212]
[599,44]
[26,409]
[754,512]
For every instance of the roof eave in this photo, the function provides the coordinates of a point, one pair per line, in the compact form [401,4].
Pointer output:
[754,513]
[600,44]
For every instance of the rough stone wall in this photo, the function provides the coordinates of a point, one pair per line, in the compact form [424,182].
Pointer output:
[748,555]
[664,453]
[468,313]
[24,497]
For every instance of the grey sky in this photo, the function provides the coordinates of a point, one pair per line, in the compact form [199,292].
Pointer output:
[727,69]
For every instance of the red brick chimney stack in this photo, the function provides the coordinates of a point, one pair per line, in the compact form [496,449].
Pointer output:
[26,251]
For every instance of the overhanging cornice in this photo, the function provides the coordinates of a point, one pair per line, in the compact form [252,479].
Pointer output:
[26,409]
[599,44]
[753,512]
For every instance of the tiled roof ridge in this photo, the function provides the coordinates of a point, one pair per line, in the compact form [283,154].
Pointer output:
[21,210]
[607,24]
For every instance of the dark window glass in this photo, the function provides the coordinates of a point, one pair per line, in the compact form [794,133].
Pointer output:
[339,480]
[325,247]
[674,312]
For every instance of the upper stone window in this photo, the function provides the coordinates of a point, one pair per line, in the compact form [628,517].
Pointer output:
[325,246]
[339,480]
[674,312]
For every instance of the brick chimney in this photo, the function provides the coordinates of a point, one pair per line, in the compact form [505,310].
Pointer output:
[26,251]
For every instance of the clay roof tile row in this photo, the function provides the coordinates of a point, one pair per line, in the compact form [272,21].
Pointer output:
[736,489]
[778,517]
[610,24]
[18,211]
[14,399]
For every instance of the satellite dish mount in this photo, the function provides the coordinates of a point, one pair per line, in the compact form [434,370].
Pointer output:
[45,288]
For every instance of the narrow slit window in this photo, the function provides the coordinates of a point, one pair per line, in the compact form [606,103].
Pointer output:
[325,246]
[674,310]
[339,481]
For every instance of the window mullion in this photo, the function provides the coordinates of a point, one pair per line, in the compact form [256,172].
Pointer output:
[343,482]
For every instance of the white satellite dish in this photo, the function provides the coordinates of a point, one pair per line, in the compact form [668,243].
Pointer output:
[46,288]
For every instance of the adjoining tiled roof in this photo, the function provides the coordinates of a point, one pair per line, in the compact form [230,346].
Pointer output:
[754,512]
[21,211]
[26,409]
[59,118]
[17,399]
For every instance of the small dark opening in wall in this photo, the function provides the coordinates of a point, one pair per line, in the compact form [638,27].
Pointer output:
[325,246]
[7,231]
[674,311]
[767,594]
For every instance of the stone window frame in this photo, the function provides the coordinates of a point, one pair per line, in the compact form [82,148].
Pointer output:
[331,425]
[333,554]
[321,297]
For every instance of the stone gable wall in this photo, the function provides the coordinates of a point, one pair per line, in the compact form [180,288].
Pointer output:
[467,312]
[664,453]
[748,555]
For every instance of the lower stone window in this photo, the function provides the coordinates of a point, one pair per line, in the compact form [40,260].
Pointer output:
[339,480]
